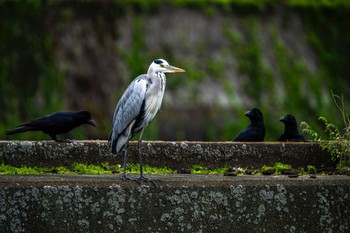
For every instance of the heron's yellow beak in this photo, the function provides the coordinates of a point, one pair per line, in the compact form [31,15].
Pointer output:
[173,69]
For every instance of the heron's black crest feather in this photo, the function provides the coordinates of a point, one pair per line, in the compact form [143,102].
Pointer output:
[158,61]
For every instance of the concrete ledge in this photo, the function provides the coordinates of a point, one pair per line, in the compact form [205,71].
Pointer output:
[175,155]
[179,203]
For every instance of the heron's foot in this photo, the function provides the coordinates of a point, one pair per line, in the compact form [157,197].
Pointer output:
[144,179]
[140,180]
[124,177]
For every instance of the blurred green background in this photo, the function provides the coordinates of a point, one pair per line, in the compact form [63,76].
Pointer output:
[280,56]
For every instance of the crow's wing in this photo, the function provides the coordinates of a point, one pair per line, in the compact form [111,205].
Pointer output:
[247,135]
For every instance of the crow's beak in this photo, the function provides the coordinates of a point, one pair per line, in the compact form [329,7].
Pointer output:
[91,122]
[248,114]
[283,119]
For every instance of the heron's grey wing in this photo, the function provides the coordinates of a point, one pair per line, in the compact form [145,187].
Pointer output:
[127,110]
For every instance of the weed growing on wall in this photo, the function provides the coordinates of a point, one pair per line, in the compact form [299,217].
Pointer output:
[338,142]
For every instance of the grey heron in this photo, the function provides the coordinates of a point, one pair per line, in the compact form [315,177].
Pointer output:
[137,107]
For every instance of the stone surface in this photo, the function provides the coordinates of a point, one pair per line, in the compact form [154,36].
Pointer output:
[179,203]
[176,155]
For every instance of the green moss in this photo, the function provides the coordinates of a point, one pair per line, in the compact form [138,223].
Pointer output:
[311,169]
[135,168]
[218,171]
[90,169]
[280,167]
[302,171]
[79,168]
[198,169]
[12,170]
[266,168]
[201,170]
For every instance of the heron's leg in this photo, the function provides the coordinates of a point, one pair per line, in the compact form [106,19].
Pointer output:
[124,177]
[142,178]
[140,154]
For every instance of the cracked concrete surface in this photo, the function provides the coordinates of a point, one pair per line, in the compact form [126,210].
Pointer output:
[179,203]
[175,155]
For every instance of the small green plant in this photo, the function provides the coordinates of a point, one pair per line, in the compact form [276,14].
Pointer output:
[309,130]
[302,171]
[280,167]
[338,142]
[311,169]
[220,170]
[277,168]
[79,168]
[198,169]
[266,168]
[90,169]
[135,169]
[24,170]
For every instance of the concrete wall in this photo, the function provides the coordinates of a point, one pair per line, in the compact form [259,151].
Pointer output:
[176,203]
[176,155]
[179,203]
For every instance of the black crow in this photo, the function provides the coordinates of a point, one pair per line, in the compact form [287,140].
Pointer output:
[291,132]
[255,131]
[55,123]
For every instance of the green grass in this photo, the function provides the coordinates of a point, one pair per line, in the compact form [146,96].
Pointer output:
[105,168]
[200,170]
[79,168]
[135,169]
[24,170]
[281,167]
[108,169]
[91,169]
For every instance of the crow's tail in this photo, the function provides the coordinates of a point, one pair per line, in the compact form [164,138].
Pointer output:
[19,130]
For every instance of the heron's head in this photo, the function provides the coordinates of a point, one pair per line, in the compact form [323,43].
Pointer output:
[161,65]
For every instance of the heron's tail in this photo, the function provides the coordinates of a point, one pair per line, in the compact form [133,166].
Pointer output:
[118,143]
[114,148]
[112,142]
